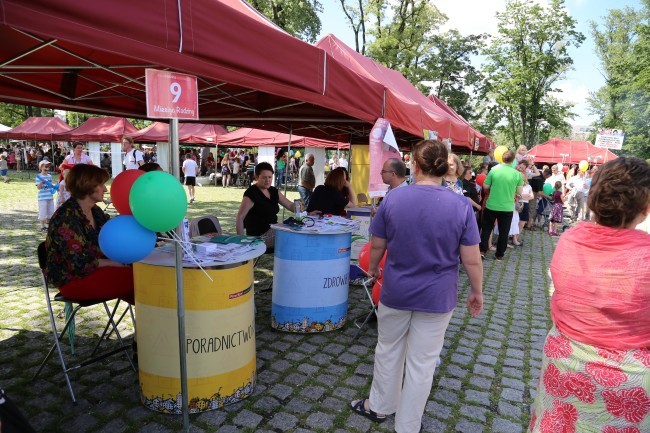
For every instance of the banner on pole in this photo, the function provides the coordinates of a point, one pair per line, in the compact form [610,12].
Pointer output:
[382,146]
[171,95]
[607,138]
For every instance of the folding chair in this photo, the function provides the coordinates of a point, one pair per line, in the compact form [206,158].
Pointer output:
[371,312]
[111,324]
[205,224]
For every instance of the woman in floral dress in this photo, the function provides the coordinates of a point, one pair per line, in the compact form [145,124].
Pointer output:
[595,374]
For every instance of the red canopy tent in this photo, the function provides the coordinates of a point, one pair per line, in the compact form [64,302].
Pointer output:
[196,133]
[405,106]
[37,128]
[102,129]
[67,54]
[248,137]
[484,143]
[570,152]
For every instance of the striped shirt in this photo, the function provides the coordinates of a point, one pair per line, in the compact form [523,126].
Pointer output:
[45,193]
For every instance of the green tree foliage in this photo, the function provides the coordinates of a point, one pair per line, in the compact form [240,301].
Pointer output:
[403,38]
[448,66]
[623,48]
[13,115]
[297,17]
[524,61]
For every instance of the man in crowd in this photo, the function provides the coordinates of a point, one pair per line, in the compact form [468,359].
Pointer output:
[556,175]
[393,174]
[503,182]
[190,168]
[576,199]
[133,158]
[306,179]
[343,161]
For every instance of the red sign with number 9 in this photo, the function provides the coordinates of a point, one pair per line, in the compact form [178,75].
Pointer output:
[171,95]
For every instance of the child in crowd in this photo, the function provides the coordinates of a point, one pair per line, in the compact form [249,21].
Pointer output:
[63,194]
[3,168]
[45,194]
[556,211]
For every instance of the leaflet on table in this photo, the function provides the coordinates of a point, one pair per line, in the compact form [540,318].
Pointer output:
[210,252]
[220,252]
[326,224]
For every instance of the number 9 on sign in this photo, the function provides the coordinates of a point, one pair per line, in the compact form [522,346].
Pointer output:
[175,90]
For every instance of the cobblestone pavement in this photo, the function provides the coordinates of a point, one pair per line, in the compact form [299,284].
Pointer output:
[486,382]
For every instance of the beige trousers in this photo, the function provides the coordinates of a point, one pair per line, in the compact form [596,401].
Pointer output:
[408,347]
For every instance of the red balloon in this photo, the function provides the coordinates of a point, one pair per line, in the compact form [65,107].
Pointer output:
[376,291]
[364,257]
[480,179]
[121,188]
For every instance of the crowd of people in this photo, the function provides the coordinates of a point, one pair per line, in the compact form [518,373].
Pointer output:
[597,354]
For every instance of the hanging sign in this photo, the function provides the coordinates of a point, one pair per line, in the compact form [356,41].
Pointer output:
[608,138]
[171,95]
[382,146]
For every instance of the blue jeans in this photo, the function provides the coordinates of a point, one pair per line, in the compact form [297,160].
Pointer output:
[305,195]
[280,180]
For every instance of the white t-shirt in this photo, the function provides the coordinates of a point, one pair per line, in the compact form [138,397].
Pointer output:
[554,178]
[85,159]
[343,163]
[189,168]
[131,159]
[526,190]
[235,167]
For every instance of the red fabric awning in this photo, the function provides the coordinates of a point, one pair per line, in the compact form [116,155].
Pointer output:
[247,137]
[406,108]
[67,54]
[570,152]
[102,129]
[37,128]
[196,133]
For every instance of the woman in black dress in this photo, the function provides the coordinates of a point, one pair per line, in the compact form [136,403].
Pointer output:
[260,206]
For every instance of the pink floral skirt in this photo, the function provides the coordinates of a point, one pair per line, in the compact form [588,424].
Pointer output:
[584,388]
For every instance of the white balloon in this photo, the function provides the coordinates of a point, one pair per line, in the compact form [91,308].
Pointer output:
[560,166]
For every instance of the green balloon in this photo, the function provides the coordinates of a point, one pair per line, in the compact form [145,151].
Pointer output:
[548,189]
[158,201]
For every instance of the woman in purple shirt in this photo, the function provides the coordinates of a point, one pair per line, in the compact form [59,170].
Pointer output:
[420,285]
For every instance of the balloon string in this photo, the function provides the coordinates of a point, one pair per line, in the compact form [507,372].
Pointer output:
[188,251]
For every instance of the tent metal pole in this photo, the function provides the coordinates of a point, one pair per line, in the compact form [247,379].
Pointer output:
[180,296]
[286,165]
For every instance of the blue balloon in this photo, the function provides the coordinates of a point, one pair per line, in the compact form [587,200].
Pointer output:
[124,240]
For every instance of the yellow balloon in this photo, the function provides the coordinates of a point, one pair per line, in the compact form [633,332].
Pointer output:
[498,153]
[583,166]
[297,154]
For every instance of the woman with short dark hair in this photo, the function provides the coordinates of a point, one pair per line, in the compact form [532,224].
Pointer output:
[75,263]
[260,206]
[596,366]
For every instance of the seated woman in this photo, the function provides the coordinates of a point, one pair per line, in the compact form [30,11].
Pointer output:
[260,206]
[333,197]
[75,263]
[596,365]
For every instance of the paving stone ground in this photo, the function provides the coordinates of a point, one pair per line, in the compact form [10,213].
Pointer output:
[485,383]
